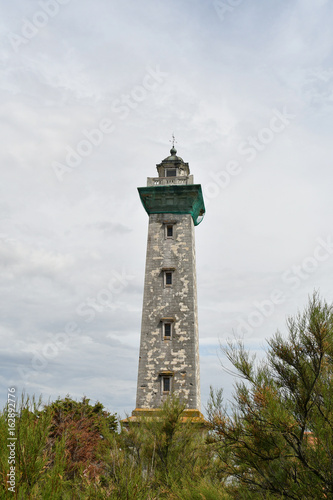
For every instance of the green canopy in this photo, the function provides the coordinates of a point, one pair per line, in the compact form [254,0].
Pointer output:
[174,199]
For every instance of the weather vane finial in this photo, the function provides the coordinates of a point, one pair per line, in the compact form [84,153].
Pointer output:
[173,140]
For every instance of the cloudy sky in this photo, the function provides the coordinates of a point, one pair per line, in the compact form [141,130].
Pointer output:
[90,95]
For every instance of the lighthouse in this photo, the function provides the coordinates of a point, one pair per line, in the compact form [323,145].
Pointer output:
[169,344]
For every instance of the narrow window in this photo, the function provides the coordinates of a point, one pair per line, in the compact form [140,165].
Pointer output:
[167,330]
[168,278]
[169,231]
[166,384]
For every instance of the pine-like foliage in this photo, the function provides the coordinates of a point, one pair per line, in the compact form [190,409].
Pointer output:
[172,455]
[277,442]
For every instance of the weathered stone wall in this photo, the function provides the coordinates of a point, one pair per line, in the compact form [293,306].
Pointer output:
[180,354]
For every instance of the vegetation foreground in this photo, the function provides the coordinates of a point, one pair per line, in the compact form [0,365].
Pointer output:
[275,441]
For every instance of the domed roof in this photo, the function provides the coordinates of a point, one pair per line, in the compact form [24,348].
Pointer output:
[173,156]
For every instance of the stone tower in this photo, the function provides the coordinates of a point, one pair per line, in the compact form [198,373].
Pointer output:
[169,347]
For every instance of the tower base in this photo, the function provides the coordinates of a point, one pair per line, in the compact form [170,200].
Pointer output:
[188,415]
